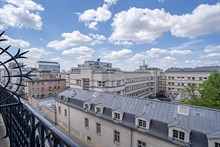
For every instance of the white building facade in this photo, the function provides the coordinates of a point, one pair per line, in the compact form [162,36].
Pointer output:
[101,77]
[102,119]
[53,67]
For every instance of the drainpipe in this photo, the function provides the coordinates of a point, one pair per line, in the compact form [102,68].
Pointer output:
[69,116]
[131,137]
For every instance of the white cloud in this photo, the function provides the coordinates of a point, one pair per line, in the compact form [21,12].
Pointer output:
[195,63]
[117,54]
[214,55]
[91,17]
[82,50]
[18,14]
[70,40]
[26,4]
[93,25]
[146,26]
[202,21]
[136,58]
[36,53]
[212,48]
[167,62]
[155,52]
[125,43]
[97,38]
[140,25]
[16,42]
[180,52]
[161,1]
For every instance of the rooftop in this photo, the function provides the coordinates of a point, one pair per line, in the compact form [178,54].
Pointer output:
[196,69]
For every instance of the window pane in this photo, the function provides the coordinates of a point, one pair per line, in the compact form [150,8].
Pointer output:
[182,135]
[175,133]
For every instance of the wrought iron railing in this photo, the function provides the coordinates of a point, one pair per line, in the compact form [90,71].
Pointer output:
[25,127]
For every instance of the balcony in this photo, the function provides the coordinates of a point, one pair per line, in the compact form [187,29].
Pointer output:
[21,125]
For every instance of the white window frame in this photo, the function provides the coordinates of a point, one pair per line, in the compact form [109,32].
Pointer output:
[178,135]
[116,137]
[217,144]
[116,115]
[144,121]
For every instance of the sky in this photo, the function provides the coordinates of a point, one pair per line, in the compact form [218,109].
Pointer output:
[164,33]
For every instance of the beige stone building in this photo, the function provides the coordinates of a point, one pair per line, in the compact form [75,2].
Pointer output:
[109,120]
[174,80]
[101,77]
[41,88]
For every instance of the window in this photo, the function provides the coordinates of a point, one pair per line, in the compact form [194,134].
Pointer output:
[98,128]
[116,115]
[200,78]
[86,122]
[118,82]
[65,112]
[178,135]
[141,123]
[89,139]
[193,78]
[189,78]
[116,136]
[78,82]
[59,109]
[217,144]
[86,106]
[182,84]
[101,83]
[141,144]
[172,78]
[205,78]
[98,110]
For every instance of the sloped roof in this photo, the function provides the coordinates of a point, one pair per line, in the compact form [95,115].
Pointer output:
[200,119]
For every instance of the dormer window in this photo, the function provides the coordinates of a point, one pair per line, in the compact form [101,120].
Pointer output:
[178,135]
[143,123]
[98,110]
[117,115]
[86,106]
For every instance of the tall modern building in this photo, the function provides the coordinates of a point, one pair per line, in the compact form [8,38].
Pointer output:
[104,119]
[101,77]
[173,80]
[53,67]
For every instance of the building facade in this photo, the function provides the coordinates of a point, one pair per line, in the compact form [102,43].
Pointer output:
[101,77]
[53,67]
[174,80]
[42,88]
[103,119]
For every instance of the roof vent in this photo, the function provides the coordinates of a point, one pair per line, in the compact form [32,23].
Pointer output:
[183,110]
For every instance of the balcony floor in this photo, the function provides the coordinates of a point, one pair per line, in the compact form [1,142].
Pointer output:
[4,141]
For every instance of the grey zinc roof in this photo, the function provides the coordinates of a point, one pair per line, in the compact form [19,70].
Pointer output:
[197,69]
[200,119]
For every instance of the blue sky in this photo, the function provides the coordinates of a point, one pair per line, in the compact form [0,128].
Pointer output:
[164,33]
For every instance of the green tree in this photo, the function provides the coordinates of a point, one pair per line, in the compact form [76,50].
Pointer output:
[208,95]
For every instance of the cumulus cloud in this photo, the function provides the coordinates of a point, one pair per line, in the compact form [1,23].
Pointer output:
[36,53]
[155,52]
[146,26]
[140,25]
[15,42]
[212,48]
[117,54]
[136,58]
[70,40]
[180,52]
[91,17]
[167,62]
[201,22]
[82,50]
[97,38]
[19,14]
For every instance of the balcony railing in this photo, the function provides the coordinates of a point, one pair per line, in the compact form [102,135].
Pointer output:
[27,128]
